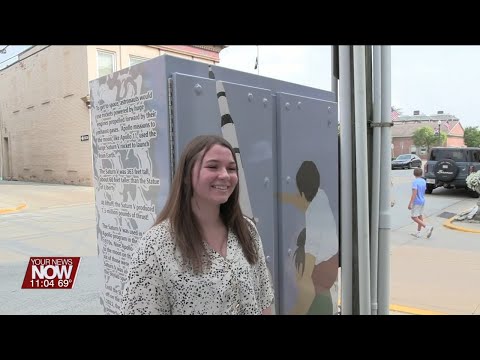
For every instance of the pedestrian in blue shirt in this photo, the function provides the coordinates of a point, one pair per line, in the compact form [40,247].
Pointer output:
[417,202]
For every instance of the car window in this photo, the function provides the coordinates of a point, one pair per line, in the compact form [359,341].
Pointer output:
[452,154]
[476,155]
[403,157]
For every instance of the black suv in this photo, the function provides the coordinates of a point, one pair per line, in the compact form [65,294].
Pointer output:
[450,166]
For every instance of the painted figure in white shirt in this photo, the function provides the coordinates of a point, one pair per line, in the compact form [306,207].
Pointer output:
[316,256]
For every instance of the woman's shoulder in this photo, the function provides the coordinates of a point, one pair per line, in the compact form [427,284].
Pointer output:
[158,235]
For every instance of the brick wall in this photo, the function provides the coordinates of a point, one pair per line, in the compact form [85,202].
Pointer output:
[456,136]
[44,116]
[401,146]
[455,141]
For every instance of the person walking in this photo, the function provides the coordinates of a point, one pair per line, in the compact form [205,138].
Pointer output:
[417,203]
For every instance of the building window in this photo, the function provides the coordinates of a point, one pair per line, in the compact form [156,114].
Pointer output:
[134,60]
[106,63]
[413,149]
[423,150]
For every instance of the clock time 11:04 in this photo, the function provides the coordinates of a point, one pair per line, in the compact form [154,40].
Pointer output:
[49,283]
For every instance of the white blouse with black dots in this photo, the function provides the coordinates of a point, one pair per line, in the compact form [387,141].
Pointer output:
[158,283]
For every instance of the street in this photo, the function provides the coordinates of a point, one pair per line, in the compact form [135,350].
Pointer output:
[439,206]
[437,275]
[428,276]
[59,220]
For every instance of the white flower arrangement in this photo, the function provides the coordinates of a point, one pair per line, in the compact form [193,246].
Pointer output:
[473,181]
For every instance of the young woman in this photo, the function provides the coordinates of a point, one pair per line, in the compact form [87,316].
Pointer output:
[202,256]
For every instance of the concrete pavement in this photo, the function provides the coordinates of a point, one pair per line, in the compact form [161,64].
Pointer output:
[18,195]
[428,276]
[437,274]
[57,220]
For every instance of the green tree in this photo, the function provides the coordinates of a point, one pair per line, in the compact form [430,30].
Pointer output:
[425,137]
[442,141]
[472,136]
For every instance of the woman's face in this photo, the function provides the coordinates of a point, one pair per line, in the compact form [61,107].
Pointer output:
[215,178]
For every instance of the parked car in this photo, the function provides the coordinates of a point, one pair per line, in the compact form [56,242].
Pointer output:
[450,166]
[407,161]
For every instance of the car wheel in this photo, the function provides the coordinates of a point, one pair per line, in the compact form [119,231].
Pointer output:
[445,170]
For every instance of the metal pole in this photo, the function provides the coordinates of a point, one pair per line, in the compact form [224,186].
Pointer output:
[258,63]
[346,178]
[439,135]
[385,175]
[375,171]
[335,70]
[1,143]
[361,154]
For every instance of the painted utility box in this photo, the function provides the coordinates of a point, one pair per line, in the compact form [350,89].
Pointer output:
[286,135]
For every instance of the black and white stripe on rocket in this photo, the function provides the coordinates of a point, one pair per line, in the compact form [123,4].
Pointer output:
[229,133]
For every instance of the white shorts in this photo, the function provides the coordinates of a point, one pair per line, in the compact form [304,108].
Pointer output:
[417,210]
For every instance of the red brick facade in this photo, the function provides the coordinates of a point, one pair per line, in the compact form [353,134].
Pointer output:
[402,146]
[405,127]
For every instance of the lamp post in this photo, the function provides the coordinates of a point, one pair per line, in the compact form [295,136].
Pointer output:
[1,146]
[439,135]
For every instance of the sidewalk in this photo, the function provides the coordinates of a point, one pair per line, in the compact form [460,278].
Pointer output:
[35,196]
[427,276]
[439,274]
[57,220]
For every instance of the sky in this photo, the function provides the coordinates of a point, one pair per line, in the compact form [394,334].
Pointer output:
[425,78]
[9,55]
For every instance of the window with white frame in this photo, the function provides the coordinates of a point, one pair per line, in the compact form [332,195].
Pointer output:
[134,60]
[106,63]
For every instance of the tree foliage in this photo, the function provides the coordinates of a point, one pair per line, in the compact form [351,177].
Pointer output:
[472,136]
[425,137]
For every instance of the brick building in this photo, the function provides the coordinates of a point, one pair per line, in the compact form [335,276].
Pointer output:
[44,106]
[405,126]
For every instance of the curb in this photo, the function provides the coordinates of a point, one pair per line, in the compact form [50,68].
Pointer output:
[14,209]
[409,310]
[448,224]
[414,311]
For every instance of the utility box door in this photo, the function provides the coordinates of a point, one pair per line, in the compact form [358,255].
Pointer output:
[198,109]
[309,205]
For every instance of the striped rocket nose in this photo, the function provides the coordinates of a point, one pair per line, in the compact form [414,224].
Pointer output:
[226,119]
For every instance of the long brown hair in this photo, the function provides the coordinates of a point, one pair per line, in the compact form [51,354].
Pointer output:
[186,230]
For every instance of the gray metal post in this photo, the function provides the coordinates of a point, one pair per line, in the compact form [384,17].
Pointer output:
[1,143]
[385,174]
[335,70]
[375,172]
[346,178]
[362,179]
